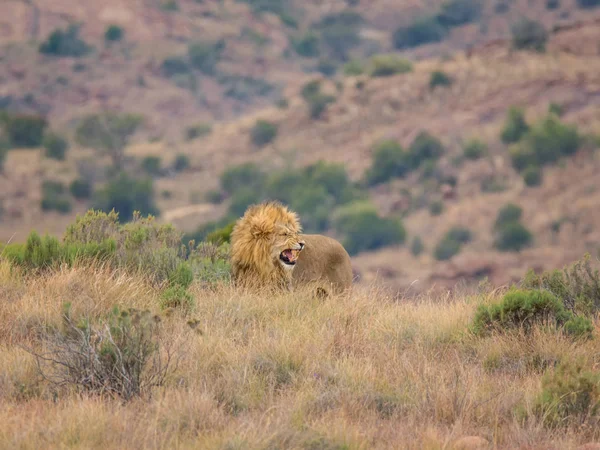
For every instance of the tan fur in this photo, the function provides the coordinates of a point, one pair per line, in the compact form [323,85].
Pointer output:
[266,230]
[325,262]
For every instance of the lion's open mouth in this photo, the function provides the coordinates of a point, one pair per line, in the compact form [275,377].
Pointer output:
[289,256]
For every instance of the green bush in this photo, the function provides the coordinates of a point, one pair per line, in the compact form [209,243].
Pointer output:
[522,309]
[390,160]
[263,132]
[340,33]
[354,67]
[307,45]
[241,200]
[424,30]
[515,126]
[588,3]
[152,165]
[181,163]
[552,4]
[24,130]
[80,189]
[451,243]
[556,109]
[327,67]
[177,297]
[454,13]
[577,285]
[196,131]
[509,213]
[417,247]
[532,176]
[54,197]
[173,66]
[424,147]
[529,34]
[169,5]
[318,103]
[221,235]
[387,65]
[436,208]
[113,33]
[65,43]
[513,236]
[126,195]
[570,396]
[56,146]
[474,149]
[439,78]
[204,56]
[363,229]
[246,176]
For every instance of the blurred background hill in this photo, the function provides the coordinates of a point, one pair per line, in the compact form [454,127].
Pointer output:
[441,141]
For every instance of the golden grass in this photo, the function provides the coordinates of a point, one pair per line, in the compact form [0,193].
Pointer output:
[287,371]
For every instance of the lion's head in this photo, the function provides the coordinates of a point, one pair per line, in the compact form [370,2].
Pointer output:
[265,244]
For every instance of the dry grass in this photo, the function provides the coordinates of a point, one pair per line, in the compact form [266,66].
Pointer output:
[289,371]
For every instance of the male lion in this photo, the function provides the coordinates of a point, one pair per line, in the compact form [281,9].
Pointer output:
[268,250]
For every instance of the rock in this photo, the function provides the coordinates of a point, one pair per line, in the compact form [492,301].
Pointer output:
[470,443]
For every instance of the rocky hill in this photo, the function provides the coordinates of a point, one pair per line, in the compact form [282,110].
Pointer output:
[224,83]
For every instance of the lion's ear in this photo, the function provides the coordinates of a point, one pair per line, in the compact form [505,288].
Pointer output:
[261,228]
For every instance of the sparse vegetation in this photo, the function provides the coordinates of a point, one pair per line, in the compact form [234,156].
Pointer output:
[24,130]
[529,34]
[532,176]
[354,67]
[451,243]
[114,33]
[196,131]
[439,78]
[54,197]
[65,43]
[56,146]
[586,4]
[454,13]
[204,56]
[474,149]
[307,45]
[81,189]
[181,163]
[515,126]
[152,165]
[387,65]
[263,133]
[126,195]
[424,30]
[390,160]
[417,246]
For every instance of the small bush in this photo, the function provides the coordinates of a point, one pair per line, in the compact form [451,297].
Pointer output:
[318,103]
[56,146]
[513,237]
[263,133]
[390,160]
[246,176]
[196,131]
[439,78]
[25,130]
[577,285]
[451,243]
[417,247]
[80,189]
[586,4]
[221,235]
[515,126]
[425,30]
[307,45]
[363,229]
[181,163]
[340,33]
[173,66]
[65,43]
[424,147]
[436,208]
[327,67]
[454,13]
[354,67]
[556,109]
[552,4]
[121,356]
[53,197]
[529,34]
[387,65]
[570,396]
[522,309]
[126,195]
[509,213]
[113,33]
[532,176]
[177,297]
[474,149]
[204,56]
[152,165]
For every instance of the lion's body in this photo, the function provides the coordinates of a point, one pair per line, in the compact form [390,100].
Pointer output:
[264,245]
[325,261]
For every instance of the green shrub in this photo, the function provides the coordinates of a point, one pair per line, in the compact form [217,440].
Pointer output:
[113,33]
[459,234]
[424,147]
[80,189]
[439,78]
[522,309]
[169,5]
[363,229]
[177,297]
[387,65]
[417,247]
[515,126]
[340,33]
[126,195]
[451,243]
[588,3]
[513,237]
[552,4]
[310,89]
[241,200]
[509,213]
[454,13]
[532,176]
[425,30]
[173,66]
[327,67]
[529,34]
[307,45]
[221,235]
[263,132]
[436,208]
[24,130]
[152,165]
[389,161]
[181,163]
[56,146]
[474,149]
[196,131]
[570,396]
[354,67]
[318,103]
[204,56]
[54,197]
[556,109]
[577,285]
[65,43]
[246,176]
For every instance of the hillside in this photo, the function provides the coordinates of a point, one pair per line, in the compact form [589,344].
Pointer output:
[256,61]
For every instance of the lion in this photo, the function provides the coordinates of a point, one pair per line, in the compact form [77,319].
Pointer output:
[268,250]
